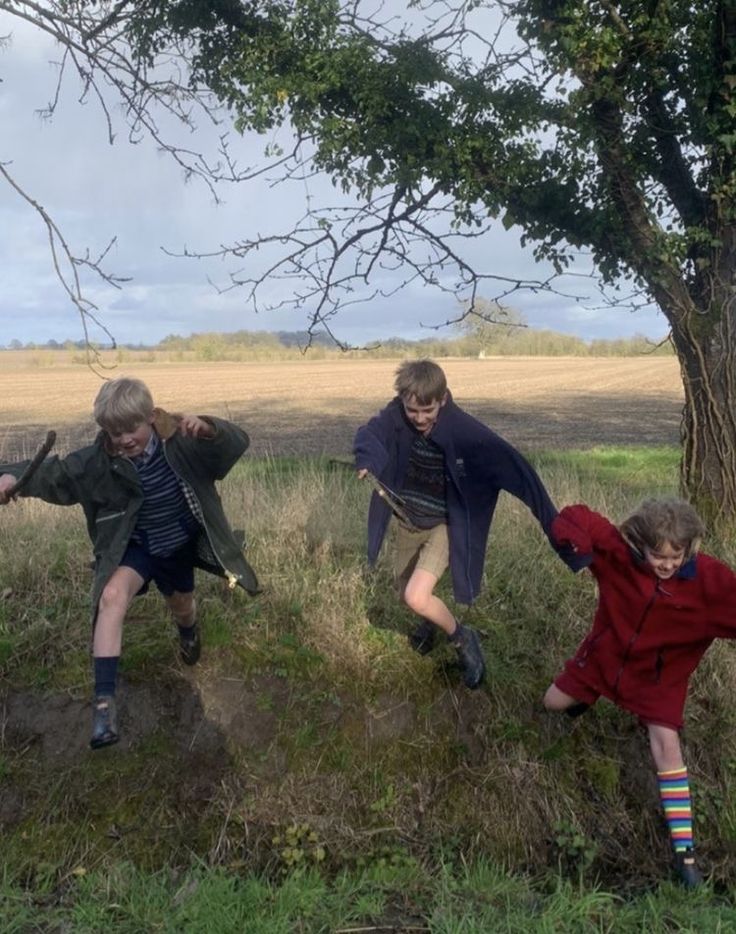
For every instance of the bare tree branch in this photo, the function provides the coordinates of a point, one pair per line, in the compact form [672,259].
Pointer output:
[67,267]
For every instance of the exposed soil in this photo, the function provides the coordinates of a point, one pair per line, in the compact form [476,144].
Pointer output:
[215,724]
[211,715]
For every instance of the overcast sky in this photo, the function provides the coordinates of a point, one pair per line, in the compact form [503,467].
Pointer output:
[95,191]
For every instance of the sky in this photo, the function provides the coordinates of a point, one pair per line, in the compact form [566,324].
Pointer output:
[95,192]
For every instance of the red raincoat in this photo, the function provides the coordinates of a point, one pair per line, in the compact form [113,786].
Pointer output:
[648,634]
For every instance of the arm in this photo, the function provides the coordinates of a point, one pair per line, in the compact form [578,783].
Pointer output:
[7,482]
[370,446]
[515,475]
[193,426]
[219,444]
[583,530]
[11,486]
[55,480]
[719,596]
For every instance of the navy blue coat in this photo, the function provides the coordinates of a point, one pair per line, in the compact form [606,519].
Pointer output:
[478,463]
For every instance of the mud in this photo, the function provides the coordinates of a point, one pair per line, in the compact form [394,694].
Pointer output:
[213,722]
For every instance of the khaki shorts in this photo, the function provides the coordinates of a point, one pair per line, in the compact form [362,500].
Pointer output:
[428,549]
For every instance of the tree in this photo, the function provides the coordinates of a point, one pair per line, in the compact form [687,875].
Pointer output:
[605,126]
[593,124]
[489,323]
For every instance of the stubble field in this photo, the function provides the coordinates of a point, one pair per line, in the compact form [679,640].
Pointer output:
[305,406]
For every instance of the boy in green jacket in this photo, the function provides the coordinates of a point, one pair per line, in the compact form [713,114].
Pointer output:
[147,488]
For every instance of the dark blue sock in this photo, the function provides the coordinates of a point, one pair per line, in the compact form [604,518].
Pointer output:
[456,637]
[106,672]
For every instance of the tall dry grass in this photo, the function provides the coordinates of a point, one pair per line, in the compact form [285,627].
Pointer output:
[377,749]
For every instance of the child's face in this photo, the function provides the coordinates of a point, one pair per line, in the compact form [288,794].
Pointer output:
[133,442]
[665,560]
[422,417]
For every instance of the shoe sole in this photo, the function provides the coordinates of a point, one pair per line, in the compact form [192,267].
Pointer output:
[101,743]
[476,684]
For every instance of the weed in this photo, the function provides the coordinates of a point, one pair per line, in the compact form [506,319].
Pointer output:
[574,851]
[298,845]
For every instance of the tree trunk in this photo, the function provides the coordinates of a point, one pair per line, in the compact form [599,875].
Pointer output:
[705,341]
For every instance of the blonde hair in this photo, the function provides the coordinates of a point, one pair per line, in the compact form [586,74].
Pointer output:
[122,405]
[423,379]
[664,521]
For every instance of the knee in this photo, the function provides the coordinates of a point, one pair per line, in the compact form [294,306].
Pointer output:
[548,700]
[416,600]
[556,700]
[113,597]
[181,605]
[665,747]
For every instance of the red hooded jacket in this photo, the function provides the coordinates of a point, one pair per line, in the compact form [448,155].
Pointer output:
[648,634]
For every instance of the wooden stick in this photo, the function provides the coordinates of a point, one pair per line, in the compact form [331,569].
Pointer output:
[36,461]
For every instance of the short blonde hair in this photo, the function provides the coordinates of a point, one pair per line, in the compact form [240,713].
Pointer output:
[423,379]
[122,405]
[664,521]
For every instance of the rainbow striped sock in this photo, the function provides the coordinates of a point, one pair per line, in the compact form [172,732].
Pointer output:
[674,792]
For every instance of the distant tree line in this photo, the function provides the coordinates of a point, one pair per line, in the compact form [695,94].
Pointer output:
[466,341]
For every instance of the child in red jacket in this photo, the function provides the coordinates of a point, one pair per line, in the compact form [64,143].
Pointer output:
[660,605]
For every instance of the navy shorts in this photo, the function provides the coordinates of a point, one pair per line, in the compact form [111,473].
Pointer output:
[172,574]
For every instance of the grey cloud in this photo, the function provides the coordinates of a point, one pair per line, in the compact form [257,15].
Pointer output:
[96,192]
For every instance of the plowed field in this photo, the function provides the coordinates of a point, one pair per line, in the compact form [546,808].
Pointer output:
[314,406]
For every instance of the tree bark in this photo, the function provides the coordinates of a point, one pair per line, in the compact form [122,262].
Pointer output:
[705,341]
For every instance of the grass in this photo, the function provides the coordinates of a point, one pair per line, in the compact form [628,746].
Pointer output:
[456,898]
[311,773]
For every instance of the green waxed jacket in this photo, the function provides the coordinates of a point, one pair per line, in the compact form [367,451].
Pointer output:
[107,488]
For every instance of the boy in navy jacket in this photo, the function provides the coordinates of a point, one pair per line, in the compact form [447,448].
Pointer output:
[440,471]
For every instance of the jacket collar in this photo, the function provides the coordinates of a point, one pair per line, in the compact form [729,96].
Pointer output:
[165,423]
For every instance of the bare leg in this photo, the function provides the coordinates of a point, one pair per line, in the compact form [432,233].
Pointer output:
[115,599]
[183,608]
[674,792]
[419,596]
[664,743]
[557,700]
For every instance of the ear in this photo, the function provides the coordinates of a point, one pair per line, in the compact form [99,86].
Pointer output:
[443,400]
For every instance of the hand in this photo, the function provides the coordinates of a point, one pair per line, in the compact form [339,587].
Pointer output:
[195,427]
[362,473]
[567,533]
[7,482]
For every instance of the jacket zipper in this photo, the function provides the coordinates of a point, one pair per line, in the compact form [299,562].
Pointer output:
[634,637]
[658,666]
[113,515]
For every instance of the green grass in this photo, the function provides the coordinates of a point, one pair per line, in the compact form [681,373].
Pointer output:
[389,894]
[312,773]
